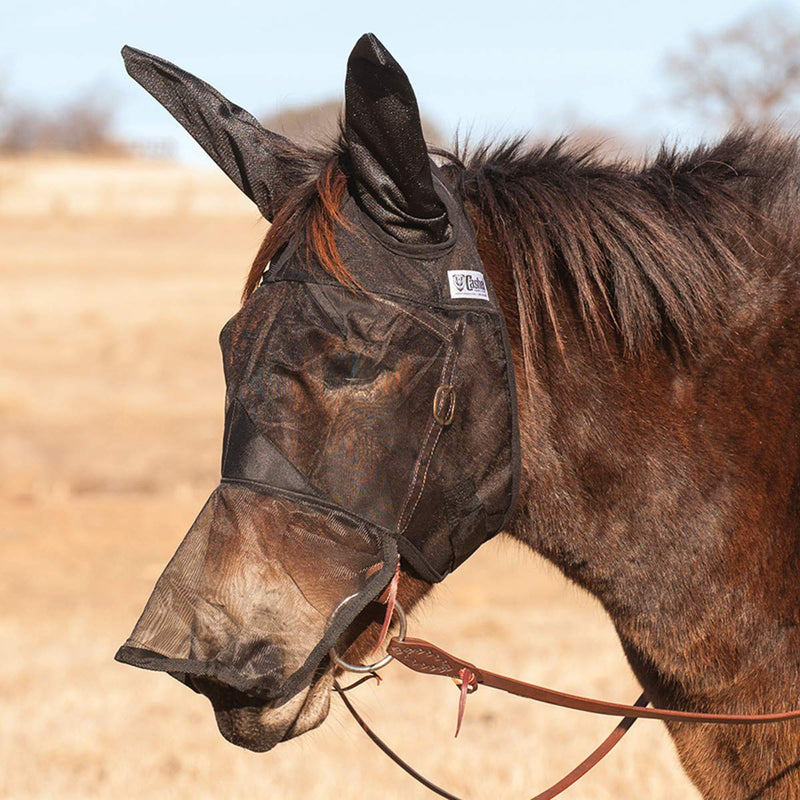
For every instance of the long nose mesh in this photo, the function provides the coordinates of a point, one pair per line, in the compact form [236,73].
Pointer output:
[246,597]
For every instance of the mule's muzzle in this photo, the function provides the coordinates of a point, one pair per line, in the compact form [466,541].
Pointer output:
[246,600]
[258,725]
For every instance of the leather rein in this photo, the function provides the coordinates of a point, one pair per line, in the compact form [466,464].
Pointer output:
[428,659]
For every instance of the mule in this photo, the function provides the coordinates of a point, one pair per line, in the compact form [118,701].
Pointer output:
[653,341]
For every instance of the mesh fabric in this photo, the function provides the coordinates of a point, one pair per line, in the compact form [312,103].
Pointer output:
[250,574]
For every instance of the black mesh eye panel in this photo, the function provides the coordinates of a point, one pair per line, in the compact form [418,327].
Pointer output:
[347,399]
[242,337]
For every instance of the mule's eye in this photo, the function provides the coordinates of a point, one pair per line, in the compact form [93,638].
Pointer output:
[347,369]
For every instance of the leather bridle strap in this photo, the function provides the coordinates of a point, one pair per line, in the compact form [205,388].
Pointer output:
[590,761]
[404,765]
[424,657]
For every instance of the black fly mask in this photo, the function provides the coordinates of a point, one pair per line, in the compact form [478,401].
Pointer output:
[362,425]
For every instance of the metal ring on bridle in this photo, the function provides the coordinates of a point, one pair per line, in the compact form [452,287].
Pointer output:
[401,634]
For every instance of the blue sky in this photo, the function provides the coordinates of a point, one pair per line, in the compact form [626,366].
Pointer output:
[495,66]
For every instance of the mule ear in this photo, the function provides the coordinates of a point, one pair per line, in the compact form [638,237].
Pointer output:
[391,169]
[262,164]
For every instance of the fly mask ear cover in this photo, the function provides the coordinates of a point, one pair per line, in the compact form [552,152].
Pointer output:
[361,424]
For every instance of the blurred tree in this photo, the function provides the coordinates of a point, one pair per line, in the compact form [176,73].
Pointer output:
[745,74]
[83,124]
[609,143]
[318,124]
[307,125]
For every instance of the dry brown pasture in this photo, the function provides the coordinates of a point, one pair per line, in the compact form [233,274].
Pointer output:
[116,278]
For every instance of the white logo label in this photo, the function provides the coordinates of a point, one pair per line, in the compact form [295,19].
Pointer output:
[467,283]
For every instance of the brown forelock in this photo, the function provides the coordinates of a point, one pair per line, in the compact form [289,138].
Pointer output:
[313,209]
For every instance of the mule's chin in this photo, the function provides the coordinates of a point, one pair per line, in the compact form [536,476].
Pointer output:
[258,726]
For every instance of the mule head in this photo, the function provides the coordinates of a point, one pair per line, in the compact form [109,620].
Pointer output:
[370,418]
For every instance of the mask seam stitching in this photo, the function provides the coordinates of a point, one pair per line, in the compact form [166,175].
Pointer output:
[446,376]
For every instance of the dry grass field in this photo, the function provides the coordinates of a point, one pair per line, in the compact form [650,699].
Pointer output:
[115,281]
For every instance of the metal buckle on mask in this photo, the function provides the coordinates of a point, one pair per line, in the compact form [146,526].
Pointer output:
[363,668]
[444,405]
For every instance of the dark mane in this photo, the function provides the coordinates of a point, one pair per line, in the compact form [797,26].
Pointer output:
[648,252]
[645,254]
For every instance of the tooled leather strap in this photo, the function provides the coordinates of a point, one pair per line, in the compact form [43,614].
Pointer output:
[424,657]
